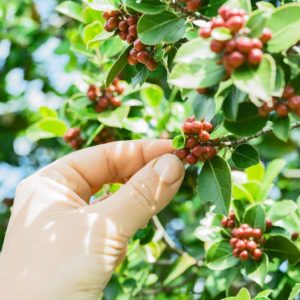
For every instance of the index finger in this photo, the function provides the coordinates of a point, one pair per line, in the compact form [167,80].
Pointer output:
[85,171]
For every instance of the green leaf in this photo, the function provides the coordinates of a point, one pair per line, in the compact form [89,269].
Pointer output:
[295,292]
[179,141]
[273,170]
[219,256]
[255,217]
[136,125]
[114,118]
[214,184]
[284,23]
[194,50]
[200,74]
[231,103]
[281,128]
[258,270]
[89,33]
[221,34]
[257,22]
[105,35]
[279,82]
[260,82]
[203,106]
[117,67]
[149,7]
[245,156]
[164,27]
[243,295]
[256,172]
[102,5]
[140,77]
[265,293]
[279,246]
[282,209]
[47,112]
[182,264]
[70,9]
[248,120]
[153,95]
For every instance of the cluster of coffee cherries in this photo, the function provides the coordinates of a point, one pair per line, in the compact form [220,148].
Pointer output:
[106,135]
[288,102]
[124,25]
[140,53]
[73,138]
[240,49]
[191,5]
[197,145]
[106,98]
[246,241]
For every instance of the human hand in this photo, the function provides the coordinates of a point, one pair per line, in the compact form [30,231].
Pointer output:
[57,246]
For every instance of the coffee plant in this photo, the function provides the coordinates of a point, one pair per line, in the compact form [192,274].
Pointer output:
[222,80]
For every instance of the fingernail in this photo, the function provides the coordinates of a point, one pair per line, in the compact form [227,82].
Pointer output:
[169,168]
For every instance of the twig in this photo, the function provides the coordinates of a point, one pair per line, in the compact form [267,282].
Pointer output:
[264,131]
[170,243]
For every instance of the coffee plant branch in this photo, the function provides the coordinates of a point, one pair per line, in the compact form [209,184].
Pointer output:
[244,140]
[170,243]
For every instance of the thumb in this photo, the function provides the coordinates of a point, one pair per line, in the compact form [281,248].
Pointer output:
[144,195]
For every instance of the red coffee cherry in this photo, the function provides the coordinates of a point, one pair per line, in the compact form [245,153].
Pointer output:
[204,136]
[211,153]
[251,246]
[113,23]
[230,223]
[295,236]
[217,46]
[191,159]
[138,45]
[130,39]
[230,46]
[191,142]
[187,128]
[143,57]
[256,233]
[244,255]
[217,22]
[257,43]
[236,59]
[224,222]
[193,5]
[205,32]
[269,224]
[236,252]
[255,57]
[123,35]
[181,153]
[197,150]
[131,60]
[233,242]
[132,20]
[123,26]
[288,92]
[248,232]
[266,35]
[92,92]
[151,65]
[207,126]
[241,245]
[294,102]
[197,127]
[107,15]
[257,254]
[235,24]
[244,44]
[282,110]
[132,30]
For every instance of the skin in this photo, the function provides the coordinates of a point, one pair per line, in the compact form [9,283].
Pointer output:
[58,245]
